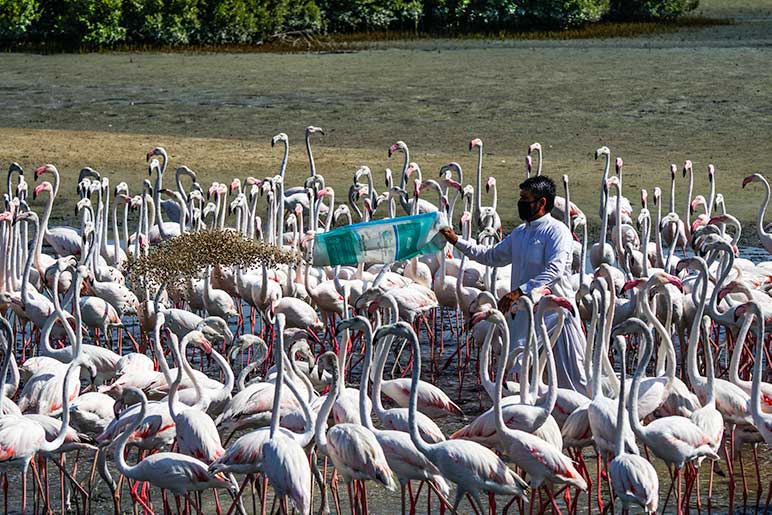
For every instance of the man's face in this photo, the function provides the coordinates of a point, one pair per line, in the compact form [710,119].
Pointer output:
[535,207]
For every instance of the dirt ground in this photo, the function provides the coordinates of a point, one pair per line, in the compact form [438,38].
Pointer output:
[701,93]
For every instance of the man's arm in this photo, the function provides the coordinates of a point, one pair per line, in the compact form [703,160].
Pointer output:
[498,255]
[557,260]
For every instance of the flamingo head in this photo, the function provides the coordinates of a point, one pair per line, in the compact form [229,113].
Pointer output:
[602,151]
[719,219]
[711,172]
[686,262]
[367,203]
[558,301]
[198,339]
[213,189]
[699,222]
[235,184]
[479,316]
[538,293]
[534,147]
[751,178]
[633,283]
[155,151]
[357,323]
[279,137]
[673,170]
[657,194]
[618,164]
[490,183]
[644,198]
[399,146]
[322,193]
[312,129]
[663,278]
[453,184]
[696,201]
[750,308]
[687,167]
[48,168]
[7,216]
[475,143]
[43,186]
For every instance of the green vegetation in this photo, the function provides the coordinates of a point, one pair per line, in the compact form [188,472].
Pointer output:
[88,24]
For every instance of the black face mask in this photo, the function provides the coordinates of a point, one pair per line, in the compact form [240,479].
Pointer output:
[527,209]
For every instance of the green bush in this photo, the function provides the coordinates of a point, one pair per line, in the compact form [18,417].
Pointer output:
[370,15]
[250,21]
[498,15]
[16,16]
[650,9]
[81,22]
[165,22]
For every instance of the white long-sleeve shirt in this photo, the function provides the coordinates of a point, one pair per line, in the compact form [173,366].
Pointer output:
[540,253]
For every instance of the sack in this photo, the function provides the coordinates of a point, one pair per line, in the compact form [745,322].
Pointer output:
[380,241]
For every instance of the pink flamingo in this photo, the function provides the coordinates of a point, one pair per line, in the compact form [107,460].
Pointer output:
[474,468]
[676,440]
[539,459]
[175,472]
[633,477]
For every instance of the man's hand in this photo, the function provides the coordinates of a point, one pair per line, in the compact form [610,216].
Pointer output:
[506,302]
[449,234]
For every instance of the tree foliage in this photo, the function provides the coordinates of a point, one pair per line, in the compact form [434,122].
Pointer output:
[16,16]
[650,9]
[99,23]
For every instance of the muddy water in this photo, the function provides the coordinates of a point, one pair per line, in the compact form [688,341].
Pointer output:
[746,493]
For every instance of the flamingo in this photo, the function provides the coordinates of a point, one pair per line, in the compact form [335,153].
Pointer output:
[633,477]
[352,448]
[172,471]
[539,459]
[472,467]
[285,462]
[676,440]
[402,456]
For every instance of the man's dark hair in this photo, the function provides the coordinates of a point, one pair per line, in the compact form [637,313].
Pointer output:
[541,186]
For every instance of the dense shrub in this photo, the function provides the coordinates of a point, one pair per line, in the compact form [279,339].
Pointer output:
[650,9]
[250,21]
[370,15]
[77,22]
[165,22]
[497,15]
[95,23]
[16,16]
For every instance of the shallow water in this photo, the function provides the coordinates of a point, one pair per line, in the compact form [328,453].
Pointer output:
[444,373]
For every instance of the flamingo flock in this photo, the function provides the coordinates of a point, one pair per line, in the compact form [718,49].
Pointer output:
[259,387]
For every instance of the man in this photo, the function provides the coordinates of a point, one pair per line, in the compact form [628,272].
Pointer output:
[540,251]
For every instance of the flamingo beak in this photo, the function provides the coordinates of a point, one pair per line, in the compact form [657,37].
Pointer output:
[675,281]
[206,346]
[39,171]
[629,285]
[748,180]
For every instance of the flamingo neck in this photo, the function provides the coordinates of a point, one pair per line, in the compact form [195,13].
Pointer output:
[120,461]
[415,435]
[762,211]
[619,445]
[364,414]
[501,427]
